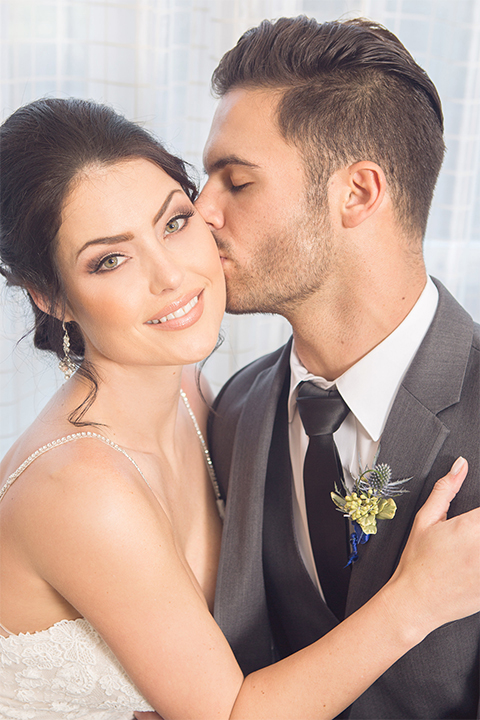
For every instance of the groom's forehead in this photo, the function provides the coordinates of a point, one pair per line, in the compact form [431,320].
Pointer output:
[244,127]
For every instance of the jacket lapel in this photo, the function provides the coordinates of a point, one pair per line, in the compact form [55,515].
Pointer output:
[413,438]
[411,441]
[240,603]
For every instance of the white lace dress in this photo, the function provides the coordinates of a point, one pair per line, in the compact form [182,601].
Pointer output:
[67,672]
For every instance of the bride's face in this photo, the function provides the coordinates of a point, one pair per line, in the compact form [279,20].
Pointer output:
[141,269]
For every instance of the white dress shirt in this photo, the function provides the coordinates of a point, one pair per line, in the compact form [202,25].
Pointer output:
[369,388]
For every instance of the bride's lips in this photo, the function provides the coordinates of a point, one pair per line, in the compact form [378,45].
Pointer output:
[180,314]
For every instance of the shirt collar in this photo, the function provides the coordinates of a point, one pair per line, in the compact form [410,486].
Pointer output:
[369,387]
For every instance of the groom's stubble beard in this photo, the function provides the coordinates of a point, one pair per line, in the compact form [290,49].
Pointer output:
[287,265]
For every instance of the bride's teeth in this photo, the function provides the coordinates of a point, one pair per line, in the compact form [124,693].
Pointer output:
[177,314]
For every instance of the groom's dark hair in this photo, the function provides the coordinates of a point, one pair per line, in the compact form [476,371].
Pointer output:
[349,91]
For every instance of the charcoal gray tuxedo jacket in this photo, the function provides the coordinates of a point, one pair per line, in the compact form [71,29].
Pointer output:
[266,603]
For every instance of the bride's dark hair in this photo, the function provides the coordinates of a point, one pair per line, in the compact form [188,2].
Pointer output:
[44,147]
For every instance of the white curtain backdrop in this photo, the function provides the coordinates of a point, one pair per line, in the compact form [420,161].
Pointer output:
[152,60]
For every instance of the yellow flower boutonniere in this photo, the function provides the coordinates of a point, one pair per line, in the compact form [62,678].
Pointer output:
[370,500]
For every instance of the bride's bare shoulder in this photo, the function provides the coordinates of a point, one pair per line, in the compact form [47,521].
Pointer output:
[74,484]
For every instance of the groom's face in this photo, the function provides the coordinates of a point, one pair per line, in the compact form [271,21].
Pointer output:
[272,239]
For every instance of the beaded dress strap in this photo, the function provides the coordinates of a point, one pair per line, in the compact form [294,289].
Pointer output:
[64,441]
[76,436]
[208,459]
[2,627]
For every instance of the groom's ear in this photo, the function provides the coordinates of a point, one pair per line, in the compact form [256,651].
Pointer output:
[362,188]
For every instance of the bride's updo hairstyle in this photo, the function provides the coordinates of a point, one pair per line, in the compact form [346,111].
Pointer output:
[44,147]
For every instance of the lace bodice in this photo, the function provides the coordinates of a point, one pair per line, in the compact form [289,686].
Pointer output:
[68,672]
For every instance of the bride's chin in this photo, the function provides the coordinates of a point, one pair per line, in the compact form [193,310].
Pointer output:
[204,351]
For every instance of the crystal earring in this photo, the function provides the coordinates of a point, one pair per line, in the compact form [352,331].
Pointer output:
[67,366]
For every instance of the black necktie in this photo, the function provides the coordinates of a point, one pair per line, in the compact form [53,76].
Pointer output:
[322,412]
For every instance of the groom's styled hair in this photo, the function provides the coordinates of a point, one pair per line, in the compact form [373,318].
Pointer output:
[348,91]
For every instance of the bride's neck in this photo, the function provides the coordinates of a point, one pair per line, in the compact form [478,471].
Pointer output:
[135,408]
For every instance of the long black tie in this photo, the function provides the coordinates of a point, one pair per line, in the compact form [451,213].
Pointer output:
[322,412]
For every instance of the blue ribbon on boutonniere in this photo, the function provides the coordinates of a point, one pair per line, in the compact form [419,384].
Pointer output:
[370,500]
[358,537]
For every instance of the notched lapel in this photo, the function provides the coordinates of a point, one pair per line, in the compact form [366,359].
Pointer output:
[412,439]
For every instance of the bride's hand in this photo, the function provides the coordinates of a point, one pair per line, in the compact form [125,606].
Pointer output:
[440,567]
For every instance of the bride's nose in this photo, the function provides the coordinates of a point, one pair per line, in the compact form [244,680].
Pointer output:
[165,272]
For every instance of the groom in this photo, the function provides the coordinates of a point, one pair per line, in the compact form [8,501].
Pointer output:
[322,161]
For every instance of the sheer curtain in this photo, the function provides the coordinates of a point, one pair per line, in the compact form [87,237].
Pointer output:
[152,60]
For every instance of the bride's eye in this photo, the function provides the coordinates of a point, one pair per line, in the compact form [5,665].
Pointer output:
[110,262]
[178,222]
[174,225]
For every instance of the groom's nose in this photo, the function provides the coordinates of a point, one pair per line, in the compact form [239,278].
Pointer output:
[210,207]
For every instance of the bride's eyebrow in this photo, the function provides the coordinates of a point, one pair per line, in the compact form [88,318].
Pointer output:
[111,240]
[165,205]
[125,237]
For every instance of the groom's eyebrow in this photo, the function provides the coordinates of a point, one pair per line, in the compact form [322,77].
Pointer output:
[228,160]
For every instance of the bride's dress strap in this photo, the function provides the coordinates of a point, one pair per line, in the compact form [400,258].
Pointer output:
[97,436]
[63,441]
[208,459]
[5,630]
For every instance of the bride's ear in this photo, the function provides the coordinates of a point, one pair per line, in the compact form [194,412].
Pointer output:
[43,304]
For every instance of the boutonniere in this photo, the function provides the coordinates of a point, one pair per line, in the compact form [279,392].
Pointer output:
[370,500]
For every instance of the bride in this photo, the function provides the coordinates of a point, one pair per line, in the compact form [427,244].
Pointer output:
[109,507]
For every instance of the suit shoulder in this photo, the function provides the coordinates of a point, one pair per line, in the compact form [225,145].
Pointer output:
[236,388]
[476,337]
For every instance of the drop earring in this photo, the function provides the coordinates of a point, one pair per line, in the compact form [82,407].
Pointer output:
[66,365]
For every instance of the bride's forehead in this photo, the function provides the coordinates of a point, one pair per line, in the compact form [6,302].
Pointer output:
[98,185]
[106,200]
[128,169]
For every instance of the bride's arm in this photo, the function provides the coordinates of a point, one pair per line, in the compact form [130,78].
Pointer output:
[107,548]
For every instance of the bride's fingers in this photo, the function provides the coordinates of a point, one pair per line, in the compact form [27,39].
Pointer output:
[436,507]
[439,568]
